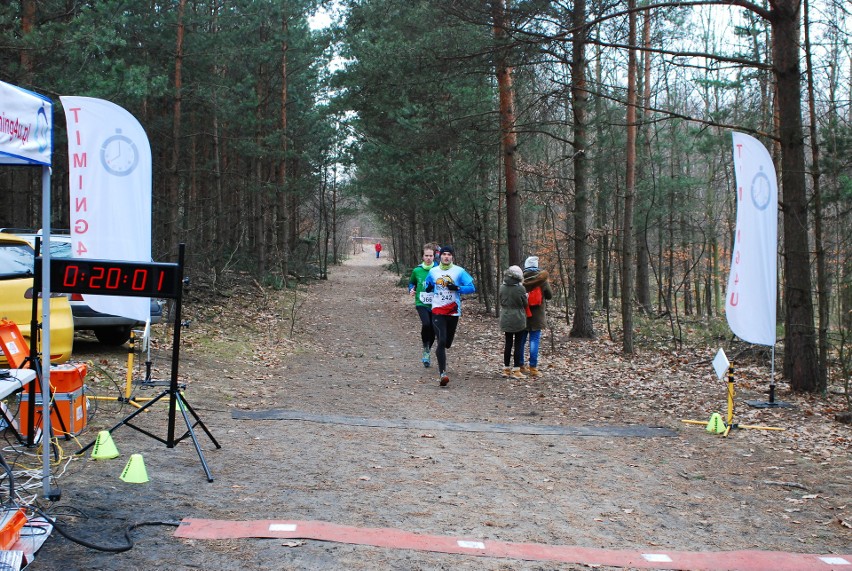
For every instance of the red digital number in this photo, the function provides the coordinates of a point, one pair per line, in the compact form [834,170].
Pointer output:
[160,282]
[113,278]
[96,277]
[140,278]
[71,274]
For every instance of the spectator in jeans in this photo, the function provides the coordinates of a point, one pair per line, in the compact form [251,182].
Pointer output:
[538,287]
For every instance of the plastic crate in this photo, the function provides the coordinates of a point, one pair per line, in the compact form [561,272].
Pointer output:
[72,409]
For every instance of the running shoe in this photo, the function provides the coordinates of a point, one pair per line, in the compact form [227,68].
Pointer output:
[426,362]
[445,379]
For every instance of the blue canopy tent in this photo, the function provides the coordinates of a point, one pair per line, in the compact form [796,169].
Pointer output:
[26,138]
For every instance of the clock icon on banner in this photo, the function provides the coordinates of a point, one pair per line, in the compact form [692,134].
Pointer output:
[760,190]
[119,155]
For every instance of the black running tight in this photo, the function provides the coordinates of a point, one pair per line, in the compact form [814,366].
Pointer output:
[427,330]
[445,330]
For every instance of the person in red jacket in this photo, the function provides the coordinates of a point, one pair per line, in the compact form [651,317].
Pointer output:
[378,248]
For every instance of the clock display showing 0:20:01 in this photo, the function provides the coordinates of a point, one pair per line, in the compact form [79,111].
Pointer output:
[111,278]
[114,278]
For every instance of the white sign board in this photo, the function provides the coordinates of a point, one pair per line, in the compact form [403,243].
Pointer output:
[721,363]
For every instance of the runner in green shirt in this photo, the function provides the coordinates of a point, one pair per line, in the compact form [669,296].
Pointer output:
[422,300]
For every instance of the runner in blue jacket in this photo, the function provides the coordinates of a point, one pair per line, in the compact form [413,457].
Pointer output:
[447,283]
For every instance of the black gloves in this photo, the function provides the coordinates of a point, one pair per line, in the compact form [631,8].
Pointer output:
[431,287]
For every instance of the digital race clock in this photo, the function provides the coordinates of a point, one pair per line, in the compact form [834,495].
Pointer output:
[107,277]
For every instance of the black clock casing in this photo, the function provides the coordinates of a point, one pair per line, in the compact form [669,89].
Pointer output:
[110,277]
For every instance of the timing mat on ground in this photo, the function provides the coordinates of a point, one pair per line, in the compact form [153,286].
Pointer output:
[626,431]
[398,539]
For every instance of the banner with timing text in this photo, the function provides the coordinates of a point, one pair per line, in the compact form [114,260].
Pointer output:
[752,284]
[110,184]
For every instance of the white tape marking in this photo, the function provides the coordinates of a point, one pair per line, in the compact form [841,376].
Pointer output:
[657,557]
[282,527]
[835,561]
[471,544]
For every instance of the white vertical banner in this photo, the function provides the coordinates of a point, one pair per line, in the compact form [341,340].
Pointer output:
[752,284]
[26,126]
[110,185]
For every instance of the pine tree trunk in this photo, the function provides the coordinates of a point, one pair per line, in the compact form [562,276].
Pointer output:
[822,274]
[643,293]
[801,363]
[601,219]
[213,231]
[174,176]
[629,190]
[281,231]
[582,326]
[508,138]
[259,199]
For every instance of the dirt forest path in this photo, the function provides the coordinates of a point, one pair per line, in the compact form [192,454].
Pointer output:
[428,464]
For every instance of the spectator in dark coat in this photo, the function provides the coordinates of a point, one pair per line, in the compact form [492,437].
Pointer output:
[513,319]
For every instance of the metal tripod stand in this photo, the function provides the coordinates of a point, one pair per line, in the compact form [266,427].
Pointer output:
[177,401]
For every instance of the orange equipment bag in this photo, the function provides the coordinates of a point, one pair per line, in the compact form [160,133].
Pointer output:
[13,344]
[68,377]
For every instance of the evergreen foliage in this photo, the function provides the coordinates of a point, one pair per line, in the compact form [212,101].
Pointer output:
[279,139]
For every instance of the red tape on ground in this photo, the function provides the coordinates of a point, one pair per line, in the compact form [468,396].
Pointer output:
[398,539]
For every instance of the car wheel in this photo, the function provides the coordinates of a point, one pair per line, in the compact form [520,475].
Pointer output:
[113,335]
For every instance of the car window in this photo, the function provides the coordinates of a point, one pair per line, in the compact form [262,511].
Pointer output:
[60,249]
[16,261]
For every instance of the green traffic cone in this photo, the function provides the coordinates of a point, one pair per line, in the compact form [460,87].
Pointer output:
[104,447]
[134,472]
[716,425]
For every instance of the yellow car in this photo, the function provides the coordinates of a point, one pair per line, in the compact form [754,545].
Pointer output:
[16,301]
